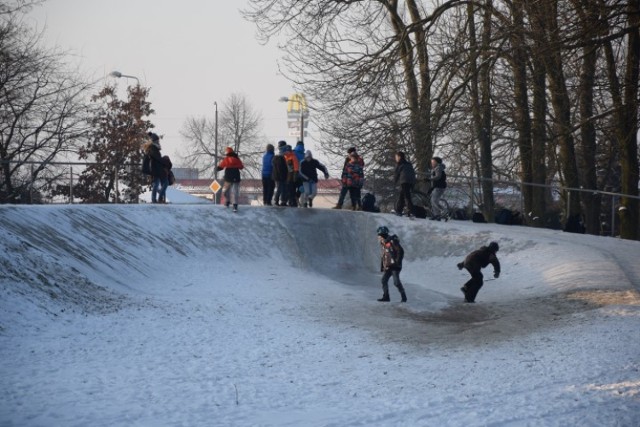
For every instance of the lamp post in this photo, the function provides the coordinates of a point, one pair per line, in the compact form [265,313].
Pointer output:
[285,99]
[118,75]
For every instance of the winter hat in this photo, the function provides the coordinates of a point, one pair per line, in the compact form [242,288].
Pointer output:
[299,143]
[270,147]
[493,247]
[281,144]
[153,137]
[308,154]
[228,150]
[287,148]
[351,150]
[438,160]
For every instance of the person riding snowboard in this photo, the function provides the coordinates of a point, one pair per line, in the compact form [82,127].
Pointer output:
[474,263]
[390,263]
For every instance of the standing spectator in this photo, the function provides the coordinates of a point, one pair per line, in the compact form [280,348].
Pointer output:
[153,163]
[299,152]
[405,178]
[166,162]
[231,165]
[390,263]
[279,174]
[438,180]
[268,184]
[309,174]
[345,189]
[353,179]
[293,167]
[474,263]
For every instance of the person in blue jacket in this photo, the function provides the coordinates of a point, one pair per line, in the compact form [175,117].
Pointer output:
[268,184]
[309,168]
[298,150]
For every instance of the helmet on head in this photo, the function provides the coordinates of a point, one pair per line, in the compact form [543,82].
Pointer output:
[493,246]
[382,231]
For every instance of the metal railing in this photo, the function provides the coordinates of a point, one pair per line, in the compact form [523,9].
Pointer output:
[463,192]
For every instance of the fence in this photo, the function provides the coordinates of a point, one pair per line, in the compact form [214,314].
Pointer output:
[463,192]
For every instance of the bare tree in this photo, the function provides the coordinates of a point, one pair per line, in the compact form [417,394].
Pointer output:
[239,127]
[41,107]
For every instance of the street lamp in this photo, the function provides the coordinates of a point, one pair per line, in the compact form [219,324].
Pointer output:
[118,74]
[299,101]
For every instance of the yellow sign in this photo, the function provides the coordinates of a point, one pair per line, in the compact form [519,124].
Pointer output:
[215,187]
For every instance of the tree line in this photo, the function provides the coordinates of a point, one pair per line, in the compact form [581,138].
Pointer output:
[49,113]
[535,91]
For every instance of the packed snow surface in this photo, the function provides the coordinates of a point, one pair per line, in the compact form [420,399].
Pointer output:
[191,315]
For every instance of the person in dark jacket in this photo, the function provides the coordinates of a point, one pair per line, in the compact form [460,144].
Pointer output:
[474,263]
[309,168]
[293,168]
[438,180]
[405,178]
[171,179]
[231,165]
[279,174]
[155,165]
[390,263]
[268,184]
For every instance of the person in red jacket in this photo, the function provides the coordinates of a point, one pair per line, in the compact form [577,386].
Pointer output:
[231,165]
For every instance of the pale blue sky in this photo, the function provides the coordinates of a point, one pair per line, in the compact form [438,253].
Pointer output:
[191,53]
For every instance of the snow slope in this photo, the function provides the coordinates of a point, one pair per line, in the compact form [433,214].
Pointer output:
[155,315]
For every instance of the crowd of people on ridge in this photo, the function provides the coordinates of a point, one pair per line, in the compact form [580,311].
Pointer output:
[290,178]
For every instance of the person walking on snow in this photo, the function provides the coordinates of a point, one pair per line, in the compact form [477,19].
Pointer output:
[405,178]
[390,263]
[268,184]
[231,165]
[309,173]
[474,263]
[438,180]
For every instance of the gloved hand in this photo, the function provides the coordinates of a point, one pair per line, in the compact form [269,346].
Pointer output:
[496,274]
[326,176]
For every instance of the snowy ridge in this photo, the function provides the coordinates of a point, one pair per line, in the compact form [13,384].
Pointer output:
[193,315]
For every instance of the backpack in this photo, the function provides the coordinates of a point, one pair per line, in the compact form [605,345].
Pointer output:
[172,178]
[478,217]
[146,164]
[369,203]
[393,253]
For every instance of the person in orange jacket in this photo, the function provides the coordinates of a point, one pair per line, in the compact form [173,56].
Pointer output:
[231,165]
[293,167]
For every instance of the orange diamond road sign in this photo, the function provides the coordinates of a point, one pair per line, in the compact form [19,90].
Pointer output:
[215,187]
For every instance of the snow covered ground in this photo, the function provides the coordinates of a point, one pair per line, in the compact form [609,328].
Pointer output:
[190,315]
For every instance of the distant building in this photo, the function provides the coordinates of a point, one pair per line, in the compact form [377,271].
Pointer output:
[251,190]
[185,173]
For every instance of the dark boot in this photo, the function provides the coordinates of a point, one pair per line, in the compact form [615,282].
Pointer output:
[385,298]
[403,296]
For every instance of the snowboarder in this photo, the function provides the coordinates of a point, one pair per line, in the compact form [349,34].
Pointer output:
[474,263]
[390,263]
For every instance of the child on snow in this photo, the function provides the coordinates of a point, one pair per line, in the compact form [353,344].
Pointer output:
[390,263]
[474,262]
